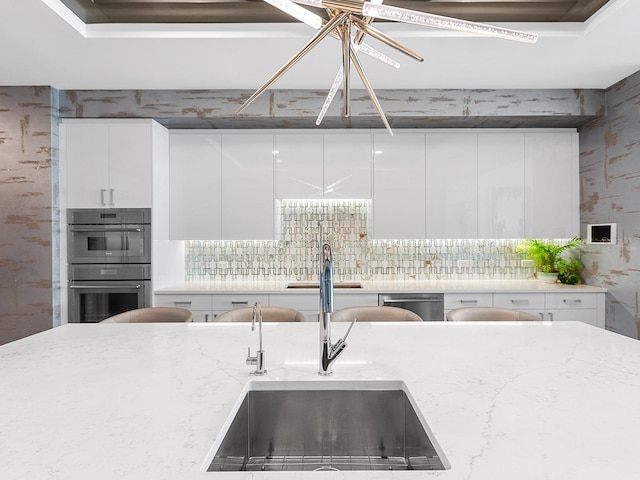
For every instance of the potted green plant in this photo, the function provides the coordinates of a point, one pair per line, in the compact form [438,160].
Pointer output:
[551,261]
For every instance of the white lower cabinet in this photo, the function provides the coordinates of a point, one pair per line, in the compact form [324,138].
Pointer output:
[307,303]
[199,304]
[224,302]
[580,307]
[533,303]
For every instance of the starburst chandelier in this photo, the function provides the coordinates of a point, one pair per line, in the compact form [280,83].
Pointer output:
[349,21]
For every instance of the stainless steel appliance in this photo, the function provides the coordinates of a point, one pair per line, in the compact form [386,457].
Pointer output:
[109,236]
[97,292]
[429,306]
[109,256]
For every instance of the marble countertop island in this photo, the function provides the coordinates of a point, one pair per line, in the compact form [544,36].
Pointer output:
[505,401]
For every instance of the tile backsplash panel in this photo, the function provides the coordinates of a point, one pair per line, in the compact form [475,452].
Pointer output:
[345,225]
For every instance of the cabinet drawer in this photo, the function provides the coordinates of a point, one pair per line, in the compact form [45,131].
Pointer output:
[305,301]
[224,302]
[519,301]
[459,300]
[192,302]
[570,301]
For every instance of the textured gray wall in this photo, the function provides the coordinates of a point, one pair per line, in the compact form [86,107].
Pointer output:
[26,216]
[610,193]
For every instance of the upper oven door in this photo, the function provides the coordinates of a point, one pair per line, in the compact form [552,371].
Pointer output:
[109,243]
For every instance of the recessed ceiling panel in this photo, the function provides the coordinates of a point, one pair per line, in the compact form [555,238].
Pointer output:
[257,11]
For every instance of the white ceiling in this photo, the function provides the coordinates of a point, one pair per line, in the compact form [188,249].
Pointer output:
[39,47]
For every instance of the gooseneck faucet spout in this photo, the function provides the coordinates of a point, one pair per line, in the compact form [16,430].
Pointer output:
[258,360]
[328,352]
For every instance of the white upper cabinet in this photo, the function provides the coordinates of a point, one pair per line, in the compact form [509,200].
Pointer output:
[195,186]
[452,185]
[552,194]
[247,187]
[501,185]
[399,186]
[347,165]
[299,165]
[108,163]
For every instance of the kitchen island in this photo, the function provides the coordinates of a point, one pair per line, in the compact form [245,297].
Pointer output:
[538,400]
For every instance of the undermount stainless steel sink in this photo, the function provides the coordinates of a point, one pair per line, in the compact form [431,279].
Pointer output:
[317,285]
[325,425]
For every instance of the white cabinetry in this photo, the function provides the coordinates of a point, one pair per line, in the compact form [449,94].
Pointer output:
[501,185]
[108,163]
[299,169]
[533,303]
[306,303]
[552,185]
[580,307]
[195,184]
[200,305]
[247,187]
[452,185]
[347,165]
[399,186]
[223,302]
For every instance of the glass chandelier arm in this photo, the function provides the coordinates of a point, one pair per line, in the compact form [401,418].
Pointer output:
[378,35]
[317,38]
[372,94]
[296,11]
[404,15]
[373,53]
[368,21]
[332,93]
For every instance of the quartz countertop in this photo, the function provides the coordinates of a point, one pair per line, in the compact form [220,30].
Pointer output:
[378,286]
[504,400]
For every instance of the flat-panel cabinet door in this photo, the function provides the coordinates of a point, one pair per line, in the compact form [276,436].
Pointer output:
[86,147]
[347,165]
[299,171]
[130,165]
[501,185]
[552,194]
[247,187]
[195,186]
[399,186]
[452,185]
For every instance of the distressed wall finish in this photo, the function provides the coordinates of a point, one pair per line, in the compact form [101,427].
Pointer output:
[299,108]
[610,192]
[26,254]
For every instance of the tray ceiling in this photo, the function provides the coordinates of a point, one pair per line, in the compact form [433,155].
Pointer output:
[257,11]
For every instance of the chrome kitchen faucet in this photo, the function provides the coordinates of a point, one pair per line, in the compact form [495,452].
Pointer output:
[328,353]
[258,360]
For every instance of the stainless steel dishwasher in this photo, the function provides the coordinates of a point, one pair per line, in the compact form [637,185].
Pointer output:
[429,306]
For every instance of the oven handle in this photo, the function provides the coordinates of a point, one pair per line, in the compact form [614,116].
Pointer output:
[104,230]
[104,286]
[404,300]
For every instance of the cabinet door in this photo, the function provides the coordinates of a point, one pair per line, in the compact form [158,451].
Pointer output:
[552,185]
[194,186]
[247,187]
[86,157]
[452,185]
[501,185]
[347,165]
[130,163]
[299,170]
[533,303]
[399,186]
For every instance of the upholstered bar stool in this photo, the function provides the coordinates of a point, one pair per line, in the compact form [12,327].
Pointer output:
[152,315]
[269,314]
[375,314]
[489,314]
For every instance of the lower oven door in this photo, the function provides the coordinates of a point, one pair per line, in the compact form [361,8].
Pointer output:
[93,301]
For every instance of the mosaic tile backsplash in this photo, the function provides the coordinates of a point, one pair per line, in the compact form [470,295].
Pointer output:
[345,225]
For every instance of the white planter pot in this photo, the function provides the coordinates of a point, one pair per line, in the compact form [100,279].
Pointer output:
[547,277]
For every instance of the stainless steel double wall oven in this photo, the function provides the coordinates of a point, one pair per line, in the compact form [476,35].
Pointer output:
[109,257]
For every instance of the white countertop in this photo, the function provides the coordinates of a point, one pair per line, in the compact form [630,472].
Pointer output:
[379,286]
[146,401]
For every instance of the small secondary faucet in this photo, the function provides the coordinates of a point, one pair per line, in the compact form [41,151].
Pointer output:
[258,360]
[328,353]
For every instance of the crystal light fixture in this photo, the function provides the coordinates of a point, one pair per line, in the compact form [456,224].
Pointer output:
[346,16]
